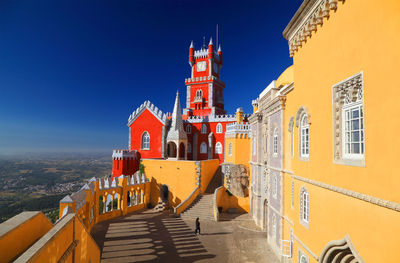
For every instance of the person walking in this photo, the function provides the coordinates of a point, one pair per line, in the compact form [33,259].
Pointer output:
[197,226]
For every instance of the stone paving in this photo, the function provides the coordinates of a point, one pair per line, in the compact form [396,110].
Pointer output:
[159,237]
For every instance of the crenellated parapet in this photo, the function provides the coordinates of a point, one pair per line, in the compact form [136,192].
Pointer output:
[124,154]
[306,20]
[240,130]
[199,80]
[152,108]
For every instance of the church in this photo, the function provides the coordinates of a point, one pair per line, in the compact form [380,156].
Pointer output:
[197,133]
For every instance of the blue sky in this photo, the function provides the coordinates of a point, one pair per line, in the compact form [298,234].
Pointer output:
[72,71]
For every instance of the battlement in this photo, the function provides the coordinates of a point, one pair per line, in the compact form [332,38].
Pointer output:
[214,118]
[152,108]
[203,79]
[124,154]
[203,53]
[234,129]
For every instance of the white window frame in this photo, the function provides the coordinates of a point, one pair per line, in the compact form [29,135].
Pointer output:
[349,108]
[304,137]
[188,129]
[144,143]
[203,147]
[219,128]
[292,142]
[275,142]
[230,149]
[292,195]
[204,129]
[304,207]
[218,148]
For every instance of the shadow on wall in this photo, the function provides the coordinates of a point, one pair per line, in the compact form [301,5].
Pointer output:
[230,202]
[157,191]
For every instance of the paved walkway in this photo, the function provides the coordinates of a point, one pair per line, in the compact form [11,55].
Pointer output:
[158,237]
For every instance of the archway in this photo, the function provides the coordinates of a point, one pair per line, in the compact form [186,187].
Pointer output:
[171,150]
[265,214]
[181,151]
[164,192]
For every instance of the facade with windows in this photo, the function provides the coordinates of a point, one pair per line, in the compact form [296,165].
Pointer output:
[339,136]
[267,160]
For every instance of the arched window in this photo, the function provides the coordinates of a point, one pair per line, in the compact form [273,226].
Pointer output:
[189,147]
[304,206]
[145,141]
[218,148]
[230,149]
[199,94]
[203,147]
[219,128]
[304,137]
[204,129]
[275,141]
[188,129]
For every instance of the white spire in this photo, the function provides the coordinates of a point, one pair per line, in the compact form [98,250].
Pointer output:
[177,122]
[211,43]
[191,44]
[176,131]
[219,48]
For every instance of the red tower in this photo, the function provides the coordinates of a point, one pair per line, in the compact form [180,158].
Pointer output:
[125,162]
[205,90]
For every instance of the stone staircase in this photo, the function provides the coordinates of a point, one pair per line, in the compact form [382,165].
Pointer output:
[201,207]
[161,206]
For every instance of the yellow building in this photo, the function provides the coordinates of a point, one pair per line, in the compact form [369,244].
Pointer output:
[340,183]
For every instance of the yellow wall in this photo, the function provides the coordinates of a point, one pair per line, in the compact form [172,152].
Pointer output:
[227,201]
[359,36]
[179,176]
[240,150]
[20,237]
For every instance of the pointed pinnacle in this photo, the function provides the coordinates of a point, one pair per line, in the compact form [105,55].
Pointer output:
[219,48]
[211,43]
[191,44]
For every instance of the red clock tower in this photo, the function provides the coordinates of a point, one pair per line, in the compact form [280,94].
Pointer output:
[205,90]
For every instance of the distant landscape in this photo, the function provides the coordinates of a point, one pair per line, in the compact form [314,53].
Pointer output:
[33,182]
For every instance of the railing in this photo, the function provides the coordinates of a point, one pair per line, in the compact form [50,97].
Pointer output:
[236,127]
[215,203]
[187,202]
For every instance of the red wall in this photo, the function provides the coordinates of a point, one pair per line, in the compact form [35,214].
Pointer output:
[218,137]
[147,122]
[125,166]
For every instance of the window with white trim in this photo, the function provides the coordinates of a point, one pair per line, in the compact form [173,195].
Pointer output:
[304,137]
[204,129]
[348,121]
[292,142]
[353,132]
[275,144]
[218,148]
[219,128]
[230,149]
[188,129]
[203,147]
[189,147]
[145,141]
[304,206]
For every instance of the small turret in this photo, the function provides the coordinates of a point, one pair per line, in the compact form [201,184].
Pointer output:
[210,49]
[191,54]
[239,115]
[220,53]
[255,105]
